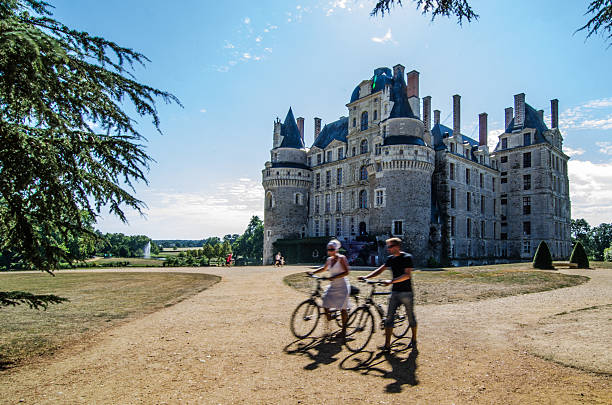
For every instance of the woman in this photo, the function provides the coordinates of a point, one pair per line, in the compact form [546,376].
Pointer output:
[337,293]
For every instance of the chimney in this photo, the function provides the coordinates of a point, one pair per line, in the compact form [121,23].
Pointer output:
[276,140]
[317,127]
[541,114]
[300,124]
[482,129]
[509,113]
[427,113]
[436,117]
[554,113]
[398,71]
[519,110]
[412,88]
[456,115]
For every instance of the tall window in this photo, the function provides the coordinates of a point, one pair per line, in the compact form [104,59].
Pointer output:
[453,226]
[363,173]
[527,139]
[338,201]
[354,122]
[469,228]
[317,204]
[375,115]
[504,143]
[526,228]
[377,149]
[482,204]
[527,159]
[380,198]
[340,153]
[453,198]
[527,246]
[469,201]
[298,199]
[339,176]
[526,205]
[363,199]
[338,226]
[326,227]
[398,227]
[328,178]
[363,147]
[481,180]
[327,203]
[317,180]
[482,229]
[352,225]
[317,227]
[319,158]
[493,184]
[364,120]
[527,182]
[329,156]
[270,201]
[467,176]
[451,170]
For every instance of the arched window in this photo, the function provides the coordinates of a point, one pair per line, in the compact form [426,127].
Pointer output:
[363,146]
[362,228]
[363,199]
[298,199]
[364,120]
[269,200]
[363,173]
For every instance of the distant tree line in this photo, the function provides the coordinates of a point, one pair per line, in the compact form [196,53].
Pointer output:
[120,245]
[597,240]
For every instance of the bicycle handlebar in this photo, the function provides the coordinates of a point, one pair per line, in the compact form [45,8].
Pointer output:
[377,282]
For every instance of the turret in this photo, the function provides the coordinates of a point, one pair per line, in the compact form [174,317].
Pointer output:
[286,179]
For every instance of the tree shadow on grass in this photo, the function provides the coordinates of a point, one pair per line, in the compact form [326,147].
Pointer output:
[6,364]
[403,368]
[319,350]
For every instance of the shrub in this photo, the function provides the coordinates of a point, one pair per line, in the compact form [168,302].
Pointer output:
[542,258]
[579,256]
[432,263]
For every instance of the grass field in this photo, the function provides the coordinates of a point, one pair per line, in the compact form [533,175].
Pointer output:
[133,261]
[97,301]
[461,284]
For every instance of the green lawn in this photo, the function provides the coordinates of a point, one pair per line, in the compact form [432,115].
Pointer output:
[461,284]
[97,301]
[132,262]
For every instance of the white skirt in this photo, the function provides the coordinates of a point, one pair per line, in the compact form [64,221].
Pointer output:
[336,294]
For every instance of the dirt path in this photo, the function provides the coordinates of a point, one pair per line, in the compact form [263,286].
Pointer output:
[231,344]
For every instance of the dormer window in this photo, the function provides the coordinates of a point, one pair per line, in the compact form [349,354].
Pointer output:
[504,143]
[340,153]
[527,139]
[375,115]
[363,147]
[319,157]
[329,156]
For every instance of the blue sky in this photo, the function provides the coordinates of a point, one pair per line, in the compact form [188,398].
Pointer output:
[238,65]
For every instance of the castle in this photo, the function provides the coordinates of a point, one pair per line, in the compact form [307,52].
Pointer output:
[385,171]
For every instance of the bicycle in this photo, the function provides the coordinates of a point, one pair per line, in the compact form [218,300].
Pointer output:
[305,317]
[361,323]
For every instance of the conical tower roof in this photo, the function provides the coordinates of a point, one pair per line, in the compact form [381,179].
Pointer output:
[291,133]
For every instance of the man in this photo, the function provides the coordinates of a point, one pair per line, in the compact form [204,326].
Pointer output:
[401,293]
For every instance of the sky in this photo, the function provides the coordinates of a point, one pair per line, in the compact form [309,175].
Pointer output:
[236,66]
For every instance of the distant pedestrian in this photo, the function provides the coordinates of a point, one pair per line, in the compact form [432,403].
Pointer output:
[277,259]
[401,293]
[228,260]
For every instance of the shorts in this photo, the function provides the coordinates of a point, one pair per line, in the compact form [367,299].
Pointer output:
[395,300]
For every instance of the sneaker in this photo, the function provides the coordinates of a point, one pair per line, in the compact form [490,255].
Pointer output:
[412,345]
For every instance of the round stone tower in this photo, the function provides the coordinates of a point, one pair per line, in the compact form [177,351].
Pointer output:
[401,177]
[286,180]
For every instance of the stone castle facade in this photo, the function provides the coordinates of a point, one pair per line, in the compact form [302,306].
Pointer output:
[386,171]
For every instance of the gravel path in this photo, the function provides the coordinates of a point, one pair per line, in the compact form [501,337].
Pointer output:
[231,344]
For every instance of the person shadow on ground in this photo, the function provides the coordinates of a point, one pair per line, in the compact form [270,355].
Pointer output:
[320,350]
[403,369]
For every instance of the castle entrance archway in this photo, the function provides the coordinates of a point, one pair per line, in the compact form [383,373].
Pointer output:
[362,228]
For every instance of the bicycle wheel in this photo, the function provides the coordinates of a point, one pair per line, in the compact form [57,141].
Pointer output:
[304,319]
[360,329]
[353,305]
[400,322]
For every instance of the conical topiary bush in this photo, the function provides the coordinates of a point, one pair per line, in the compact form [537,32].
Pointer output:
[579,256]
[542,258]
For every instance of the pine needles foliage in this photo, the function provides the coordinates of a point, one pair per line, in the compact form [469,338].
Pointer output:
[68,148]
[542,258]
[579,256]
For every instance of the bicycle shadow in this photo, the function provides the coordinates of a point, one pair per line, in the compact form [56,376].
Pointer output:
[403,369]
[320,350]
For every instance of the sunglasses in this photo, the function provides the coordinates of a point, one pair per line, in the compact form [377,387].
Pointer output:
[331,250]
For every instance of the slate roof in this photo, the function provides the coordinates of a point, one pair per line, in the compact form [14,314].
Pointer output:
[401,107]
[291,133]
[382,77]
[532,121]
[337,130]
[438,132]
[403,140]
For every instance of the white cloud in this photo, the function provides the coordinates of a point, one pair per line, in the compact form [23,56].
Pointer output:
[203,110]
[226,208]
[571,152]
[222,69]
[605,147]
[493,138]
[591,190]
[268,50]
[247,20]
[228,45]
[258,39]
[589,115]
[246,55]
[386,38]
[601,103]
